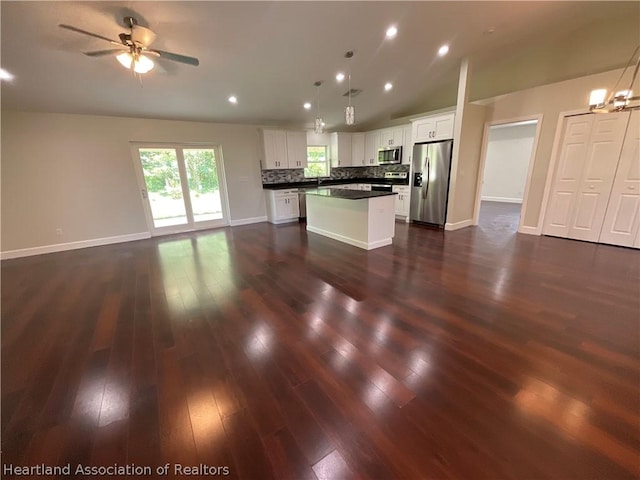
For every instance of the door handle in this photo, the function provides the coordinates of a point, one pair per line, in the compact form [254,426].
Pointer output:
[144,193]
[632,187]
[591,187]
[427,163]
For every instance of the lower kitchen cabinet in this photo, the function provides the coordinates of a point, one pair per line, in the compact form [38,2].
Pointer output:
[402,200]
[282,206]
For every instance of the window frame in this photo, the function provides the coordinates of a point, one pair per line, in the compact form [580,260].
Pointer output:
[326,162]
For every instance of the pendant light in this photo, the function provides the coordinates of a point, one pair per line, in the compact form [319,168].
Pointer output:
[619,99]
[349,111]
[319,122]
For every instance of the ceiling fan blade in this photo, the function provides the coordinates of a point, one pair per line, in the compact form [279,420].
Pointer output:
[176,57]
[84,32]
[100,53]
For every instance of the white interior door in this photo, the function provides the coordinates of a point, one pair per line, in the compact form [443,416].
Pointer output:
[603,153]
[562,199]
[622,220]
[183,187]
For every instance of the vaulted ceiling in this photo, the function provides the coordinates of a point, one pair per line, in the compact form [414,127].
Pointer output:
[269,54]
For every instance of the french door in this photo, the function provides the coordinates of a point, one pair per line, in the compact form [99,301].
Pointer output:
[182,187]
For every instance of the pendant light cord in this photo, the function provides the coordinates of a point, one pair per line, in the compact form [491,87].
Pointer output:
[633,77]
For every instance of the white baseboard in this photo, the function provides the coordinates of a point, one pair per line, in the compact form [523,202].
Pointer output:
[247,221]
[60,247]
[351,241]
[458,225]
[529,230]
[286,220]
[502,199]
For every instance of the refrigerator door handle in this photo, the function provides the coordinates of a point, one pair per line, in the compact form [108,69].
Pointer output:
[427,163]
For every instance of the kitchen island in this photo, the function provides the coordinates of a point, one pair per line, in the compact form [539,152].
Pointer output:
[363,219]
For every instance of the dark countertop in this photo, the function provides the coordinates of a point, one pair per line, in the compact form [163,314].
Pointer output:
[328,182]
[346,194]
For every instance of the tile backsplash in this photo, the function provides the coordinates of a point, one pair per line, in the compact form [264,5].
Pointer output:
[297,174]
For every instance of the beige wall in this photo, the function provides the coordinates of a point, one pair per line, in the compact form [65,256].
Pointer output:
[466,173]
[75,172]
[548,100]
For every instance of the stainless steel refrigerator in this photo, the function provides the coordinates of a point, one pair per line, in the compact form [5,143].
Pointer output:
[430,182]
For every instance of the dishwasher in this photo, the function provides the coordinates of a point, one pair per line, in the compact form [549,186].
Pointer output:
[302,203]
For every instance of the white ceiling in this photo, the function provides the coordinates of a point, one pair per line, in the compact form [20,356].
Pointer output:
[270,53]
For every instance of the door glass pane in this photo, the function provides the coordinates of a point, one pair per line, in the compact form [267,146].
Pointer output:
[162,178]
[203,184]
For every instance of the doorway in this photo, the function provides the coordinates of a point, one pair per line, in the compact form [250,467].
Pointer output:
[505,171]
[182,187]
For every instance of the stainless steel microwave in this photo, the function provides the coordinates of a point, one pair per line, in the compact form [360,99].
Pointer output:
[389,155]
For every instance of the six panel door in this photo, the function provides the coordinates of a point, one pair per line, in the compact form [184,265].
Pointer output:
[563,195]
[586,169]
[600,163]
[622,220]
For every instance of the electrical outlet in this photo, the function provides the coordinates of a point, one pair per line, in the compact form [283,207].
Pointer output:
[58,231]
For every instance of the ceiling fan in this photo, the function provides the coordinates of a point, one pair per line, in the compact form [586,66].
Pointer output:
[133,48]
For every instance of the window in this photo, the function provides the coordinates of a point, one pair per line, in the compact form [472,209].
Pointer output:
[317,162]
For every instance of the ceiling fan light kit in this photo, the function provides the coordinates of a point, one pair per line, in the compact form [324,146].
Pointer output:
[140,63]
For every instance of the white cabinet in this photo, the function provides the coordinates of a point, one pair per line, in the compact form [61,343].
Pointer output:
[282,206]
[357,150]
[434,128]
[402,200]
[297,149]
[340,153]
[407,146]
[275,149]
[391,137]
[284,149]
[371,146]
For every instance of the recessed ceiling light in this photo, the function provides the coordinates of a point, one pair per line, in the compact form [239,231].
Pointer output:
[340,77]
[307,106]
[388,86]
[4,75]
[392,31]
[233,99]
[443,50]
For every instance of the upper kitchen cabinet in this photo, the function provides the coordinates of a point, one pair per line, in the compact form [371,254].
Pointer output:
[297,149]
[391,137]
[284,149]
[274,143]
[371,146]
[407,146]
[341,150]
[431,129]
[357,150]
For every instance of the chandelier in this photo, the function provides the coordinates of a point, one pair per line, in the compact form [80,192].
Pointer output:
[619,100]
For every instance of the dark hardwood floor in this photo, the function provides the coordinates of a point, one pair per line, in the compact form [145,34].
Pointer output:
[476,354]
